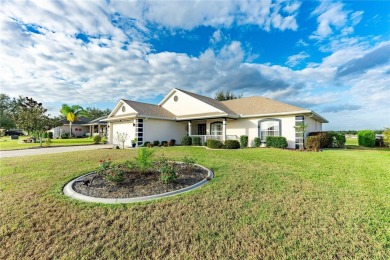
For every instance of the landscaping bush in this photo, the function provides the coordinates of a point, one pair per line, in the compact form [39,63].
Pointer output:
[164,143]
[186,140]
[257,141]
[156,143]
[196,141]
[167,170]
[366,138]
[111,173]
[146,143]
[50,135]
[214,144]
[104,140]
[338,140]
[45,135]
[232,144]
[97,139]
[313,143]
[144,159]
[172,142]
[65,136]
[326,139]
[244,141]
[276,141]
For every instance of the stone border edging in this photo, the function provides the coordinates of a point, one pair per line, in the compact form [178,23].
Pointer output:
[68,191]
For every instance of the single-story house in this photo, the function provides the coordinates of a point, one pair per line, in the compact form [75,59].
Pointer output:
[183,113]
[81,127]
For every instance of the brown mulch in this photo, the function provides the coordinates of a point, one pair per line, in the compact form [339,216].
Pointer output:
[138,184]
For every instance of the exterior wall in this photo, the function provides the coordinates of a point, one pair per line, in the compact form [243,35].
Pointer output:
[313,125]
[128,110]
[164,130]
[122,127]
[187,105]
[249,127]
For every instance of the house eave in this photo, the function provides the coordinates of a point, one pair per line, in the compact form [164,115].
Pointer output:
[298,112]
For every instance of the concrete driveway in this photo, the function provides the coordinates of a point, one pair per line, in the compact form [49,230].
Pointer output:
[50,150]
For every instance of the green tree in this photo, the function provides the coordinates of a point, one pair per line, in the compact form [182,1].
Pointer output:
[228,95]
[96,112]
[8,109]
[72,113]
[31,117]
[386,136]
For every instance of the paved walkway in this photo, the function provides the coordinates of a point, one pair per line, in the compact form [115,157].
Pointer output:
[64,149]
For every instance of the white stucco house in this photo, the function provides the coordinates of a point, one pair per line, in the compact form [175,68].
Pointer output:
[183,113]
[81,127]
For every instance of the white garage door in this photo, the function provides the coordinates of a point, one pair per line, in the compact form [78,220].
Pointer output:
[123,128]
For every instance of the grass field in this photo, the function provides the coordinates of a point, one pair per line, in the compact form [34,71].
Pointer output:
[263,203]
[7,144]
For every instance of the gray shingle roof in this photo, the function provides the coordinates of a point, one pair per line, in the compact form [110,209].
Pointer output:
[150,110]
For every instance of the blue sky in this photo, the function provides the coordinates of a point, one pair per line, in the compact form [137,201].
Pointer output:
[328,56]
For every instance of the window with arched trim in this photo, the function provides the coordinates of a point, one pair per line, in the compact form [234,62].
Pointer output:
[216,128]
[269,127]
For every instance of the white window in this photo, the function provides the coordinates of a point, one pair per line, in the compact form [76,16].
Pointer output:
[216,128]
[270,127]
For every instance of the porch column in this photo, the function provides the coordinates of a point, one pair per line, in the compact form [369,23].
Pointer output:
[90,130]
[189,128]
[224,129]
[99,129]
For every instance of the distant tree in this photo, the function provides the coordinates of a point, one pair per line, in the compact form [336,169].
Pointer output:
[31,117]
[72,113]
[96,112]
[226,95]
[8,109]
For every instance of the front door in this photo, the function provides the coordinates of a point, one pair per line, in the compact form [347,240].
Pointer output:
[201,129]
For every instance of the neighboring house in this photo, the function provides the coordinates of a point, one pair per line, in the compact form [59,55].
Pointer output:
[183,113]
[81,127]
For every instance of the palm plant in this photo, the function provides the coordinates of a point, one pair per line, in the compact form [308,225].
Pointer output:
[72,113]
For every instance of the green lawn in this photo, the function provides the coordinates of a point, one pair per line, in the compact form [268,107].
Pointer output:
[263,203]
[7,144]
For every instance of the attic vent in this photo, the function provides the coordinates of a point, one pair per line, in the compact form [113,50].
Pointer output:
[175,98]
[123,108]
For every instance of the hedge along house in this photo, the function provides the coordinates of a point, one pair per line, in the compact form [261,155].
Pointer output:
[183,113]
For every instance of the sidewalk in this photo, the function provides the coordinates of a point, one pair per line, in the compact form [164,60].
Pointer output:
[51,150]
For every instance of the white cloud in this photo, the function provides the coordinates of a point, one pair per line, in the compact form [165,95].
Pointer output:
[294,60]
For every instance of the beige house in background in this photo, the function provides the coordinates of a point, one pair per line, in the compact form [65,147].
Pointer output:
[183,113]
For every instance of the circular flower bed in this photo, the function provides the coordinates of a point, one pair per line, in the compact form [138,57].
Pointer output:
[124,183]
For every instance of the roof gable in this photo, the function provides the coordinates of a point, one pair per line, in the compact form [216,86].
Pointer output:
[122,110]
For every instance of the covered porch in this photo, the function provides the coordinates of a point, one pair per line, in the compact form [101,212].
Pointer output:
[206,129]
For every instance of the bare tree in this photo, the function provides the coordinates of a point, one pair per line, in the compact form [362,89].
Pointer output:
[122,138]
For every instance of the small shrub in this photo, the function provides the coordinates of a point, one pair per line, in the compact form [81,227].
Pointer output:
[104,140]
[276,141]
[172,142]
[186,140]
[97,139]
[313,143]
[47,142]
[50,135]
[214,144]
[146,143]
[196,141]
[65,136]
[167,170]
[232,144]
[156,143]
[366,138]
[45,135]
[338,140]
[144,159]
[149,145]
[257,141]
[164,143]
[326,139]
[111,173]
[244,141]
